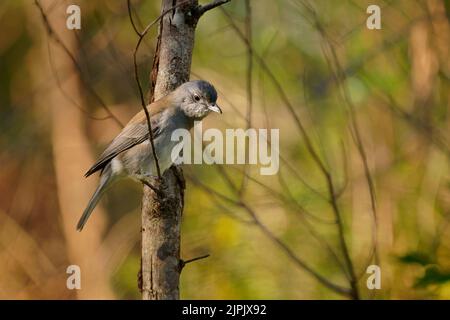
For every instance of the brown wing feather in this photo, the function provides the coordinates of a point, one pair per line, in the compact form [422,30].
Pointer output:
[135,132]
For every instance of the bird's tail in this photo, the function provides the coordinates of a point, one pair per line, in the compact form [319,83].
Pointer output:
[105,181]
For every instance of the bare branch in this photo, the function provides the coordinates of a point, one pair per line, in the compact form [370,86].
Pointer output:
[319,162]
[183,263]
[300,262]
[64,93]
[202,9]
[52,34]
[338,73]
[281,92]
[141,36]
[130,15]
[249,83]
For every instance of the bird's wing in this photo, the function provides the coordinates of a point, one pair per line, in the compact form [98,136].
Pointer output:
[135,132]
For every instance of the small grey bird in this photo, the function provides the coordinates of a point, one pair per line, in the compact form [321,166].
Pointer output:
[130,153]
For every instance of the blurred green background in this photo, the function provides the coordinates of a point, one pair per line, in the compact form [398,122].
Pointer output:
[393,84]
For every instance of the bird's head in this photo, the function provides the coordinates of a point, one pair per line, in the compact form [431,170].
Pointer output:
[197,99]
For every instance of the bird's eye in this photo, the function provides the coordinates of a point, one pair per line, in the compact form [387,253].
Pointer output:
[196,98]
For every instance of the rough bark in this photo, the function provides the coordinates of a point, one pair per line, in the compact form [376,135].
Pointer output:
[161,215]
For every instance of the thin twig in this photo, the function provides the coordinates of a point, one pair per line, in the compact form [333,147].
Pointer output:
[202,9]
[215,196]
[327,175]
[141,36]
[340,76]
[290,199]
[52,34]
[355,133]
[130,16]
[280,91]
[249,83]
[294,257]
[183,263]
[298,261]
[64,93]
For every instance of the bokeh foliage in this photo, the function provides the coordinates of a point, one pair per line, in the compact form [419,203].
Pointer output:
[398,82]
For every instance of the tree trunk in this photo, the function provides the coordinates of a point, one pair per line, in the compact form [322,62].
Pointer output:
[161,216]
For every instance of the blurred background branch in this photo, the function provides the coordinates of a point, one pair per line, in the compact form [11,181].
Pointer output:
[363,118]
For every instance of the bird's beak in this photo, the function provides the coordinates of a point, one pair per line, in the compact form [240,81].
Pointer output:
[214,107]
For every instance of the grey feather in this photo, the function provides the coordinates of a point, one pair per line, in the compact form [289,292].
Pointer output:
[106,180]
[133,135]
[130,154]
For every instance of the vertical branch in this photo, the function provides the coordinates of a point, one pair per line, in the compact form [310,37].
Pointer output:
[340,77]
[333,201]
[248,34]
[161,217]
[162,211]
